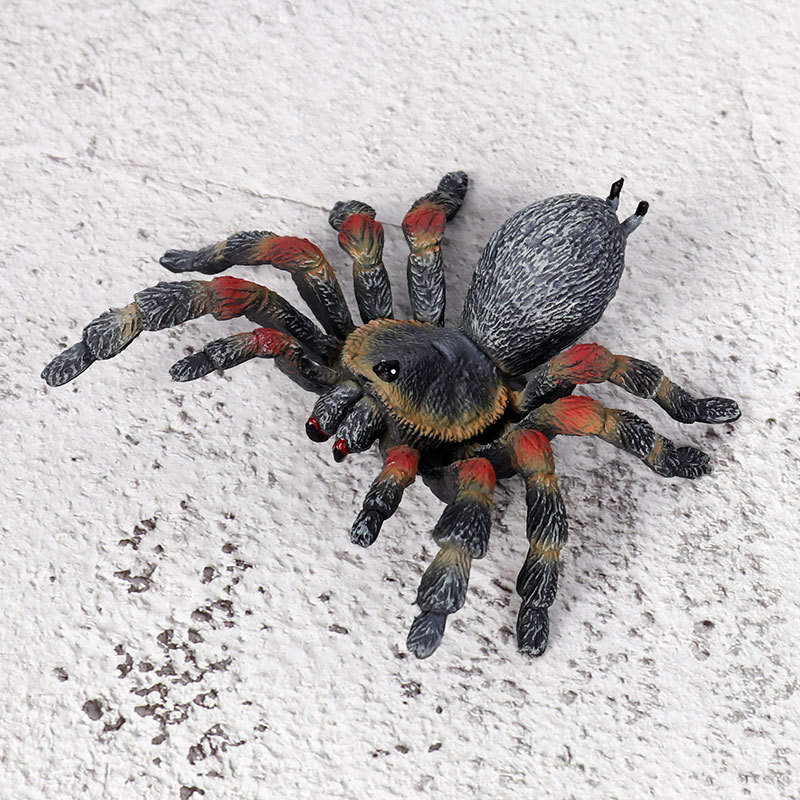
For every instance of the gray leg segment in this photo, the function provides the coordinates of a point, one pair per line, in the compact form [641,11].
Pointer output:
[359,429]
[383,498]
[635,220]
[583,416]
[547,533]
[109,334]
[613,195]
[331,409]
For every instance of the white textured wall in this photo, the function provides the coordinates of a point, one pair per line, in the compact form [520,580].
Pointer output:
[175,559]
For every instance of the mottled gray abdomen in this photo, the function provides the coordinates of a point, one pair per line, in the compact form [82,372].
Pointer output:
[543,279]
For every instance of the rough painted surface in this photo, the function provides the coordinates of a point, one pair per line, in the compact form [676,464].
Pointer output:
[183,612]
[544,278]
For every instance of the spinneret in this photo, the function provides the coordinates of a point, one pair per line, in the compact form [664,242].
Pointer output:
[460,406]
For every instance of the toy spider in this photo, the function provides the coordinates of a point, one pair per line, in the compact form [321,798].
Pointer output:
[458,406]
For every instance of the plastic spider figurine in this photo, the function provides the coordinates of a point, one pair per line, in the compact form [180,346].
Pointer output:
[459,406]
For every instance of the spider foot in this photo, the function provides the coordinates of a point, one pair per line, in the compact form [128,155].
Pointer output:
[717,410]
[366,528]
[682,406]
[346,208]
[691,463]
[68,365]
[680,462]
[426,633]
[532,629]
[178,260]
[454,184]
[192,367]
[449,195]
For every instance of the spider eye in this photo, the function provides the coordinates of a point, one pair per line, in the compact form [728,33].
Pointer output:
[387,370]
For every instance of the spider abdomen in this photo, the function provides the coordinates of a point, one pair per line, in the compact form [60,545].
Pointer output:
[543,279]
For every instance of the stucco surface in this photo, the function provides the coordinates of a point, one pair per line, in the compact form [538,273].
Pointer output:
[183,613]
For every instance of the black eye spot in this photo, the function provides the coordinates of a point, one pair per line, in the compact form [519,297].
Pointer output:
[387,370]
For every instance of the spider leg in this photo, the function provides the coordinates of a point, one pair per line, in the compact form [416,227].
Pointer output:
[311,272]
[423,227]
[584,416]
[169,304]
[462,533]
[330,410]
[383,498]
[259,343]
[591,363]
[359,429]
[546,527]
[361,237]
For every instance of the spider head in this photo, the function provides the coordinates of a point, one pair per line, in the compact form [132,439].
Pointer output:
[432,381]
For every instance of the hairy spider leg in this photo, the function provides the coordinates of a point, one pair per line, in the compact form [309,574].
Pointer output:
[462,533]
[310,270]
[361,237]
[170,304]
[584,416]
[546,528]
[260,343]
[591,363]
[383,498]
[423,227]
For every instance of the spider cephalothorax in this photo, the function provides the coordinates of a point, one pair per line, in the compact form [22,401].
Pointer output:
[459,406]
[433,382]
